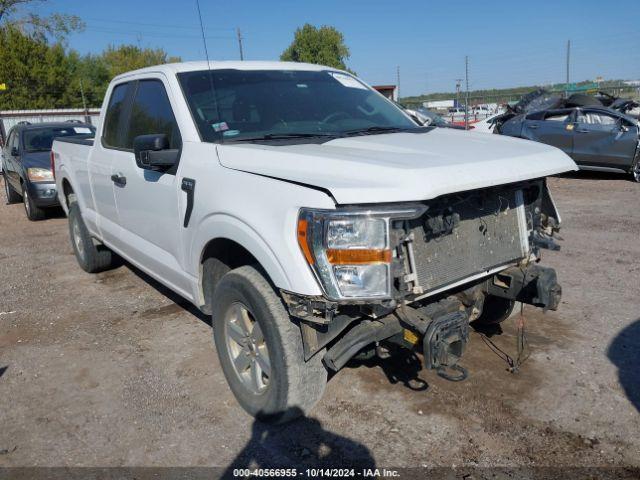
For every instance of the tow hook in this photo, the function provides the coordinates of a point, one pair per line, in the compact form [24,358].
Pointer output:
[444,343]
[444,327]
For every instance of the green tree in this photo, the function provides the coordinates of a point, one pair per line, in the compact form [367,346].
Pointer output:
[323,46]
[56,25]
[129,57]
[91,75]
[38,75]
[41,75]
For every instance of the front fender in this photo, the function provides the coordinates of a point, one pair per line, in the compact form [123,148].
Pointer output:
[226,226]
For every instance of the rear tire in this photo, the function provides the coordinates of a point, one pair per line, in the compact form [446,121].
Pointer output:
[11,194]
[91,258]
[34,212]
[260,349]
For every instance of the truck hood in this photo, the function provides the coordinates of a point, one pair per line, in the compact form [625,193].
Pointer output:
[398,167]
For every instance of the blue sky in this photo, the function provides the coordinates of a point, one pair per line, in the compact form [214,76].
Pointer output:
[509,43]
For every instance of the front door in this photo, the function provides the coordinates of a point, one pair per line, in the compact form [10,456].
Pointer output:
[108,147]
[148,201]
[11,162]
[604,139]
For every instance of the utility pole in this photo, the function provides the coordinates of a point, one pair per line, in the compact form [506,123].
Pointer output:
[87,118]
[398,80]
[466,101]
[240,43]
[458,84]
[566,88]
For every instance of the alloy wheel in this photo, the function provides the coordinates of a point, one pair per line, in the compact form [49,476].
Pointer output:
[27,205]
[77,239]
[247,348]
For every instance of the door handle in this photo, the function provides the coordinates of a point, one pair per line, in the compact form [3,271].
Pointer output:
[582,130]
[189,187]
[533,126]
[119,180]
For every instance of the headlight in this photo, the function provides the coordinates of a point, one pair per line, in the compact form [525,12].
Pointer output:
[349,250]
[39,174]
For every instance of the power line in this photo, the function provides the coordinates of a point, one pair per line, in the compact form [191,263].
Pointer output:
[156,34]
[159,25]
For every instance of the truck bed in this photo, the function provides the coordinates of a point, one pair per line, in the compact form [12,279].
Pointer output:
[71,156]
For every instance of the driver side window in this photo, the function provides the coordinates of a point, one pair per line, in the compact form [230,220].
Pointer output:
[596,118]
[14,142]
[7,146]
[151,113]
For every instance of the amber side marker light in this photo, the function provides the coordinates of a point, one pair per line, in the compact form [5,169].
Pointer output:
[303,240]
[358,257]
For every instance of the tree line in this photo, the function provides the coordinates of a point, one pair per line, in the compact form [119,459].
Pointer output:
[39,74]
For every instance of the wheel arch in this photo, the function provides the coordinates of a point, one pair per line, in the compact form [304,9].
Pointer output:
[67,190]
[234,244]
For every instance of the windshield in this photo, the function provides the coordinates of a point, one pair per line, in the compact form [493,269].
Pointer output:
[236,105]
[41,139]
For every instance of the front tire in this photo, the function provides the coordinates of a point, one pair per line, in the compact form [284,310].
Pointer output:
[260,349]
[34,213]
[635,171]
[495,310]
[11,194]
[91,258]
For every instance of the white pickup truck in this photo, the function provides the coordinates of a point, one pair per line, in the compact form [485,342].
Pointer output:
[310,216]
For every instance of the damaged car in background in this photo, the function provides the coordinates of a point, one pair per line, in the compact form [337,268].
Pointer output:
[311,217]
[596,137]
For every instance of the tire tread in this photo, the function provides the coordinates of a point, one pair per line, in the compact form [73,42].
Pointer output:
[97,257]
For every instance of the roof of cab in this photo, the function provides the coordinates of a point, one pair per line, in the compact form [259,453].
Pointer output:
[235,65]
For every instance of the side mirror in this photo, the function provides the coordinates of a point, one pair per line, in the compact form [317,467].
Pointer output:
[152,152]
[14,151]
[415,119]
[622,126]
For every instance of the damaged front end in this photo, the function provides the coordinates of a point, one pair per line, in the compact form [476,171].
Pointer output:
[417,275]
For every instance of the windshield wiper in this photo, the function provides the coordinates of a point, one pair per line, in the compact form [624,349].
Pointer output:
[282,136]
[376,129]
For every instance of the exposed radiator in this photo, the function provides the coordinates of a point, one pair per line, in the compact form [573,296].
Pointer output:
[468,234]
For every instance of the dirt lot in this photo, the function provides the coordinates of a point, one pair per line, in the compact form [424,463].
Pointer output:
[112,369]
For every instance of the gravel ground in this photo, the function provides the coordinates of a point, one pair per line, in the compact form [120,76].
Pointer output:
[114,370]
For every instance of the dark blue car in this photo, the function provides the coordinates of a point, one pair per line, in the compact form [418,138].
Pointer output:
[26,160]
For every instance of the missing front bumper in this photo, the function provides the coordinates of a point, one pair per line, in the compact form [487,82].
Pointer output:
[533,285]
